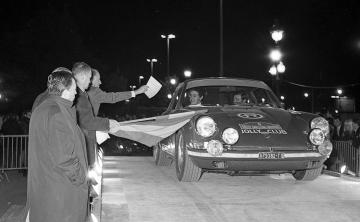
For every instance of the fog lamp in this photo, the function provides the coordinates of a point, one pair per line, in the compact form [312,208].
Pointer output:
[325,148]
[214,147]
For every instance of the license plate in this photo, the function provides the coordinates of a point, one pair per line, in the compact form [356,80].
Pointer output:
[271,155]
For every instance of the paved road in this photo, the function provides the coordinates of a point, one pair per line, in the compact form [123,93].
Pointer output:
[134,189]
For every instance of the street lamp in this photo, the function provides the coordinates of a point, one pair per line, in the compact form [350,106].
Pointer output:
[132,87]
[151,61]
[275,55]
[306,95]
[339,92]
[277,35]
[282,97]
[273,70]
[169,96]
[187,73]
[172,81]
[140,78]
[168,37]
[280,67]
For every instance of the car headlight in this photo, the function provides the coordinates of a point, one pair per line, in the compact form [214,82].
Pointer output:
[205,126]
[317,136]
[320,123]
[230,136]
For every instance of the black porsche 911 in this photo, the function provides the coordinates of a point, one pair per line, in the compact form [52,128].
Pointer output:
[244,131]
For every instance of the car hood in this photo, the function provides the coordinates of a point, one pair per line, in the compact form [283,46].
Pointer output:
[261,127]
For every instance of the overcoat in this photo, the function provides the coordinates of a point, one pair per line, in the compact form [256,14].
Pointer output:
[89,123]
[57,186]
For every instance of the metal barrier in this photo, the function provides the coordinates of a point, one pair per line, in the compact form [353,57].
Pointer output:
[347,154]
[13,152]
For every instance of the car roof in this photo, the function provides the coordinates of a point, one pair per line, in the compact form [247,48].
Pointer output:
[225,81]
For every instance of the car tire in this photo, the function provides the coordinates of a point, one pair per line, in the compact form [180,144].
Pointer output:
[160,157]
[186,170]
[307,175]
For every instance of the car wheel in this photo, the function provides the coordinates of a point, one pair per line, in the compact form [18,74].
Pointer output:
[307,175]
[161,159]
[186,170]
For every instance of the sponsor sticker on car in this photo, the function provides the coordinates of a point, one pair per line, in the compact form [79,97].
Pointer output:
[261,128]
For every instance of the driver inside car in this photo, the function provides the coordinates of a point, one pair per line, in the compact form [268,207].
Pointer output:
[239,99]
[195,98]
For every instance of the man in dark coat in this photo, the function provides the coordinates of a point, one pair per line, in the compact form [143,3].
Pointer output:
[57,178]
[87,120]
[42,96]
[97,96]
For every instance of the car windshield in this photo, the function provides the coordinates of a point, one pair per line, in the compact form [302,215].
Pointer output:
[228,96]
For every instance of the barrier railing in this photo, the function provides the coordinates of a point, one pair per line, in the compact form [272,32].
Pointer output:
[347,154]
[13,152]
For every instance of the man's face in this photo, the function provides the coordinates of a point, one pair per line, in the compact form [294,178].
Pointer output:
[70,93]
[96,82]
[195,98]
[83,80]
[238,99]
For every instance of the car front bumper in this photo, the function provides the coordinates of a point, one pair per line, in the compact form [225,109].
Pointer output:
[234,161]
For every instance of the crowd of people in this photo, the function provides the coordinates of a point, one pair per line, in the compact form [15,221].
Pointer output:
[342,128]
[15,124]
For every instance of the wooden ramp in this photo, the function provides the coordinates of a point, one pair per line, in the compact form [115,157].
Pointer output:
[134,189]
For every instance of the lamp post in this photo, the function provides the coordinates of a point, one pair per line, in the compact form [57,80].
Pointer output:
[151,61]
[168,37]
[275,56]
[132,87]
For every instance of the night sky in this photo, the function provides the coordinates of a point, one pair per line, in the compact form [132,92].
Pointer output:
[321,46]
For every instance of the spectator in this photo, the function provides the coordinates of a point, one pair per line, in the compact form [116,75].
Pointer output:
[11,125]
[346,130]
[57,186]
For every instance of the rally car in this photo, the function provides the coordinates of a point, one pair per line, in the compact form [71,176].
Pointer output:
[243,130]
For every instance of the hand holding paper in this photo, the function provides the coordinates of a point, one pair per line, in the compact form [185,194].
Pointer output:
[154,87]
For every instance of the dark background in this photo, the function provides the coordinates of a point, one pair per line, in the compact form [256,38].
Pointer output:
[321,45]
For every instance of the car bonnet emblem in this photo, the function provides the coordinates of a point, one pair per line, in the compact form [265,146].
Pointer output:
[250,115]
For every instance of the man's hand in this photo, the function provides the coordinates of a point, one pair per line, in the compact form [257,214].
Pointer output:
[113,123]
[142,89]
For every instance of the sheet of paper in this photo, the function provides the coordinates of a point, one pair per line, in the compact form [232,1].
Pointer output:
[154,87]
[101,137]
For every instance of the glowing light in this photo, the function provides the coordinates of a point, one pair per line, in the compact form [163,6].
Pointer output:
[306,95]
[282,97]
[275,55]
[336,111]
[339,91]
[272,70]
[173,81]
[280,67]
[169,96]
[343,169]
[277,35]
[187,73]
